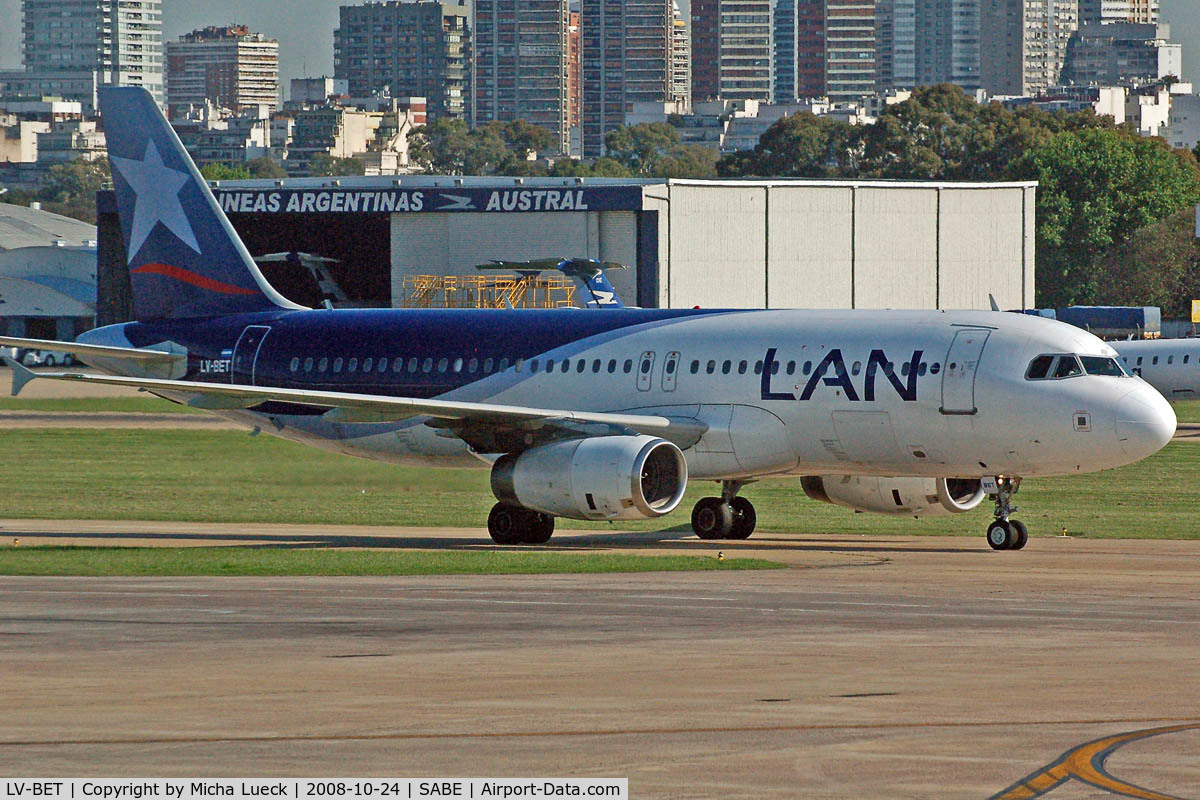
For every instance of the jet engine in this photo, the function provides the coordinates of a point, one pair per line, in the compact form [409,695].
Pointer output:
[918,497]
[601,477]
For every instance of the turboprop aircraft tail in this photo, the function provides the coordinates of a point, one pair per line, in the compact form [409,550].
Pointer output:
[185,260]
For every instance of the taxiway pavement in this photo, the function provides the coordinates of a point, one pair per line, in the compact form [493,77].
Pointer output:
[872,667]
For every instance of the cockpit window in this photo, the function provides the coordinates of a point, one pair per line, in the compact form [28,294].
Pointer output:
[1067,366]
[1102,365]
[1039,368]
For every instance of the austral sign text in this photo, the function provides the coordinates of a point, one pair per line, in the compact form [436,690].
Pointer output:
[398,200]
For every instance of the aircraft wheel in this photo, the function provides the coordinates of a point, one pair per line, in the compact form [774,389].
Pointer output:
[1022,534]
[541,528]
[505,524]
[712,518]
[744,518]
[1000,535]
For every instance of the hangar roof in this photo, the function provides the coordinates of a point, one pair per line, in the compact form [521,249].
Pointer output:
[27,227]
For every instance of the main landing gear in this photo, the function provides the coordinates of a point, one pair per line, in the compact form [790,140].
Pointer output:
[1005,533]
[515,525]
[724,517]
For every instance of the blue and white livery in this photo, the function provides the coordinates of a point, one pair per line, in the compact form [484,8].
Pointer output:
[608,415]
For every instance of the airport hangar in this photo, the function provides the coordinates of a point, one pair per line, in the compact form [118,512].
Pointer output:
[731,244]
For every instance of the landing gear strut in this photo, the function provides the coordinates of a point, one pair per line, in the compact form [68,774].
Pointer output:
[515,525]
[1005,533]
[725,517]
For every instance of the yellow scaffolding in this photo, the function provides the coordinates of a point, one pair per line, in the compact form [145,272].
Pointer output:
[487,291]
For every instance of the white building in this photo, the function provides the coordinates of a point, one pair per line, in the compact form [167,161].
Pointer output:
[228,66]
[1183,122]
[96,43]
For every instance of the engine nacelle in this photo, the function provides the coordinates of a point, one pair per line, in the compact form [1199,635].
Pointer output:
[600,477]
[918,497]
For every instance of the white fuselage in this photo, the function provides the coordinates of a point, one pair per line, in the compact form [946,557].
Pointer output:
[1170,365]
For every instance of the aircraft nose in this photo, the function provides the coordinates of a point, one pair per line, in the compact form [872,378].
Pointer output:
[1145,422]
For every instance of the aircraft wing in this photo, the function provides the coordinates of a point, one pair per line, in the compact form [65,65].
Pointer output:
[482,425]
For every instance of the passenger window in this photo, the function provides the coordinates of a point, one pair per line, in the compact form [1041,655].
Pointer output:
[726,366]
[581,365]
[549,365]
[533,366]
[645,368]
[565,366]
[295,365]
[596,365]
[1139,361]
[904,368]
[774,367]
[612,366]
[487,365]
[710,367]
[758,367]
[426,365]
[628,366]
[742,367]
[519,364]
[1066,367]
[695,367]
[503,364]
[353,365]
[338,363]
[791,368]
[1039,368]
[412,364]
[671,367]
[857,368]
[1154,360]
[442,364]
[308,364]
[473,366]
[807,367]
[1170,359]
[1185,358]
[323,365]
[368,363]
[398,364]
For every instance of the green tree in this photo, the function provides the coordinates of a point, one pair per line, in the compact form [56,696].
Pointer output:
[640,147]
[323,165]
[1158,265]
[798,146]
[1096,188]
[265,167]
[215,171]
[70,188]
[449,147]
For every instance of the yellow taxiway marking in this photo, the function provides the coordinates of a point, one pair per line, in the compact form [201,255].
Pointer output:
[1086,763]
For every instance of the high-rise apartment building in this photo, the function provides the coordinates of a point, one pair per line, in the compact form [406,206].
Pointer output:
[732,54]
[628,49]
[90,43]
[520,64]
[681,59]
[574,75]
[1023,44]
[1107,11]
[925,42]
[851,69]
[229,67]
[417,49]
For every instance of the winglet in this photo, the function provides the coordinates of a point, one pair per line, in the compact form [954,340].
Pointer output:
[21,375]
[992,300]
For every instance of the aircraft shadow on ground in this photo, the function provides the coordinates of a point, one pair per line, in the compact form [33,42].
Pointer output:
[679,538]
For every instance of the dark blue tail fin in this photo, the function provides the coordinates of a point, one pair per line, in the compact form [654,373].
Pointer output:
[185,259]
[590,272]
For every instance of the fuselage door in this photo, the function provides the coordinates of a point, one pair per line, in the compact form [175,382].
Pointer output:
[670,371]
[246,352]
[958,371]
[645,371]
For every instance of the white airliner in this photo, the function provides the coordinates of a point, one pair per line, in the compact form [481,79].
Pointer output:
[1170,365]
[606,416]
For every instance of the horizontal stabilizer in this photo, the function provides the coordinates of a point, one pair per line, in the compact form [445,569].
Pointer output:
[21,375]
[102,351]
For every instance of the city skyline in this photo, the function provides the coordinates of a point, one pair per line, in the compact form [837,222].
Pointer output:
[306,36]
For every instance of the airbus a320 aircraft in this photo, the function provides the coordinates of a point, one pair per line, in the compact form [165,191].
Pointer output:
[606,416]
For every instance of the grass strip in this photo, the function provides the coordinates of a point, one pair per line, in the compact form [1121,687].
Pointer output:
[95,405]
[272,561]
[230,477]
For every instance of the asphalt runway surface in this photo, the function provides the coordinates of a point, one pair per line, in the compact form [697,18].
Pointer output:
[871,667]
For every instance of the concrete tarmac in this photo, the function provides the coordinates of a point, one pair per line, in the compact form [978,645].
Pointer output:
[872,667]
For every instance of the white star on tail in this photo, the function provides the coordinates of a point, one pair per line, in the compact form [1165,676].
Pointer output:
[157,189]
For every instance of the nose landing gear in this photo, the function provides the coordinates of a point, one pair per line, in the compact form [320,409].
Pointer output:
[725,517]
[1005,533]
